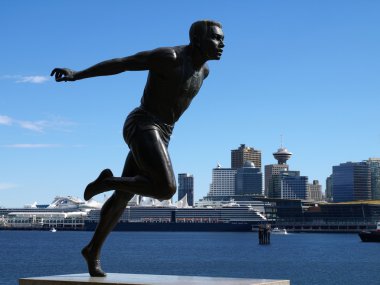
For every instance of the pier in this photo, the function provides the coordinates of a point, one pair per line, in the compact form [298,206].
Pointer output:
[264,234]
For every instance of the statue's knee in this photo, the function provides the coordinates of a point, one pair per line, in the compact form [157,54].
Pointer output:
[171,191]
[122,198]
[165,192]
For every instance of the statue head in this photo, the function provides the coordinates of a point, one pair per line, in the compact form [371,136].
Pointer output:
[207,36]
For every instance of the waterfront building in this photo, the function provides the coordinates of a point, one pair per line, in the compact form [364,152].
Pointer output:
[289,185]
[351,182]
[249,180]
[223,182]
[242,154]
[63,213]
[329,189]
[282,155]
[374,165]
[186,187]
[327,217]
[315,191]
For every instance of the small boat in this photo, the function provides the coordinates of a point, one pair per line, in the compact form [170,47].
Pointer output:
[278,231]
[371,236]
[53,230]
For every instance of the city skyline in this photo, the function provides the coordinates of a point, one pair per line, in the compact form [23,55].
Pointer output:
[304,70]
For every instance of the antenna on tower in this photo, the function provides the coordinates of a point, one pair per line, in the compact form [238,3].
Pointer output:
[282,137]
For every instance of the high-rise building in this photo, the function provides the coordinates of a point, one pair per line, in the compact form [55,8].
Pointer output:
[282,155]
[248,180]
[270,171]
[244,153]
[223,182]
[374,165]
[186,187]
[329,189]
[289,185]
[315,191]
[351,181]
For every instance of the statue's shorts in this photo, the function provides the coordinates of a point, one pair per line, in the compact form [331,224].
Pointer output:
[140,120]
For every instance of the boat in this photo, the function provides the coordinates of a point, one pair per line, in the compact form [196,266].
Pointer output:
[371,236]
[213,219]
[157,217]
[278,231]
[53,230]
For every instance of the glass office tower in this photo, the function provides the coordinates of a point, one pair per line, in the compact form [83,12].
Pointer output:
[351,182]
[186,187]
[248,180]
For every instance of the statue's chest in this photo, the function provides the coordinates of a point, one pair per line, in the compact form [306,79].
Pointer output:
[191,82]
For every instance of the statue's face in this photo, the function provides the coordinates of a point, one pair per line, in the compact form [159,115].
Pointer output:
[212,44]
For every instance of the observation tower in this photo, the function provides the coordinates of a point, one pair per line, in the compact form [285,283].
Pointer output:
[282,155]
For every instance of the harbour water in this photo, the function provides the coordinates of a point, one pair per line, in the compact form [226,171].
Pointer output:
[302,258]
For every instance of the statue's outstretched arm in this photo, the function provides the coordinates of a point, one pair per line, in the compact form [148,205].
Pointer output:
[157,59]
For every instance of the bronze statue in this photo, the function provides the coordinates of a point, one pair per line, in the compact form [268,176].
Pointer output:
[175,76]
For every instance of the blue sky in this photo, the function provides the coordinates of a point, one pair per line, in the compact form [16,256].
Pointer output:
[307,70]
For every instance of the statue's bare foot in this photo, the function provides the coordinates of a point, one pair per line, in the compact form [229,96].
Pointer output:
[95,187]
[93,263]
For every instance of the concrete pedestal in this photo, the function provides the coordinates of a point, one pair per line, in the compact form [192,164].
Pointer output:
[138,279]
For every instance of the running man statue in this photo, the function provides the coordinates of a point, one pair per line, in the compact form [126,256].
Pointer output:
[175,76]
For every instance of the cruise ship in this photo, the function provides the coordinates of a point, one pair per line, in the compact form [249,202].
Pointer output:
[147,214]
[143,214]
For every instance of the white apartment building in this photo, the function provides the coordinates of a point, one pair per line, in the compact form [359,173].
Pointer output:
[223,182]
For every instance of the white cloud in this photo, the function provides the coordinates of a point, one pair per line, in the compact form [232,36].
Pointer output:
[35,79]
[29,145]
[33,126]
[37,126]
[5,120]
[7,186]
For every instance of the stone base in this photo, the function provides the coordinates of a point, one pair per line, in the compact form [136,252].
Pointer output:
[139,279]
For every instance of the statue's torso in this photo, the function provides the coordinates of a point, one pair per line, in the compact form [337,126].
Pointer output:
[168,95]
